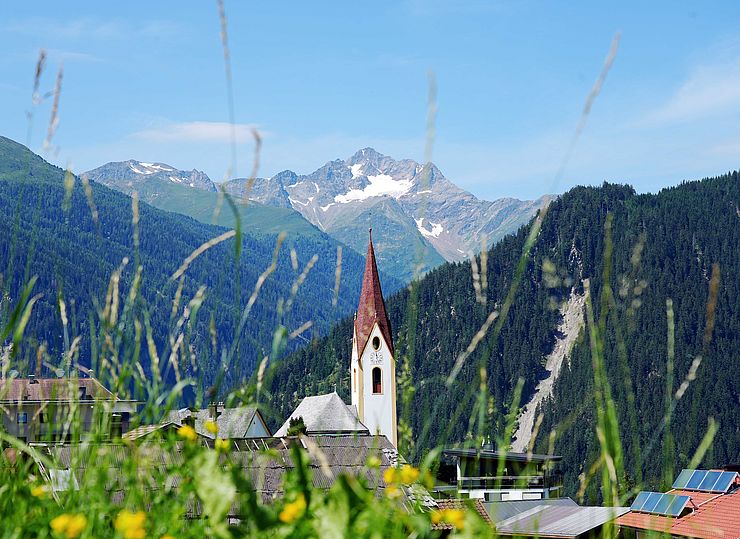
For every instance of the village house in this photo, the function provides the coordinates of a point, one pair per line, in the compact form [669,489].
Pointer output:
[36,409]
[702,504]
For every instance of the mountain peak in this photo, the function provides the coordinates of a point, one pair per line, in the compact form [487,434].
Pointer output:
[367,155]
[133,172]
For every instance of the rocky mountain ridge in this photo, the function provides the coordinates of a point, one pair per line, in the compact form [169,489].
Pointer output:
[421,218]
[450,220]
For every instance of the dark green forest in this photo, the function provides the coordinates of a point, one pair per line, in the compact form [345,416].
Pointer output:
[49,232]
[665,246]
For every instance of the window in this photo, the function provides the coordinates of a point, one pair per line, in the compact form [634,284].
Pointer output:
[354,379]
[377,384]
[21,418]
[376,342]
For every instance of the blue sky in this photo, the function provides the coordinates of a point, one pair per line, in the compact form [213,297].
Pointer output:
[319,80]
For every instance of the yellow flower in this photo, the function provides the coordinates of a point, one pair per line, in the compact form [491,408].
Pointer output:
[373,461]
[409,474]
[456,517]
[69,526]
[187,432]
[167,536]
[392,492]
[453,517]
[130,524]
[211,426]
[389,476]
[39,491]
[293,510]
[222,445]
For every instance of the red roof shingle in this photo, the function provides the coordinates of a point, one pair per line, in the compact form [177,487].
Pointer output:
[717,516]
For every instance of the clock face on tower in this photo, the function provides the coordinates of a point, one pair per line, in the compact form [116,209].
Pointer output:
[376,357]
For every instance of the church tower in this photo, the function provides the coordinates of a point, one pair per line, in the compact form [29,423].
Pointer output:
[373,368]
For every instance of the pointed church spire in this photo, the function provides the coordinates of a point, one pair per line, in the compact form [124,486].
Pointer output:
[372,306]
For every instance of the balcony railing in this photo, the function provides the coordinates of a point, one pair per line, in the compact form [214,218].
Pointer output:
[510,482]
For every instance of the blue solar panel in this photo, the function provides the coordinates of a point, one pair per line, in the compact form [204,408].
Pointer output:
[696,479]
[657,503]
[683,478]
[639,501]
[724,481]
[704,480]
[663,503]
[709,480]
[676,506]
[651,502]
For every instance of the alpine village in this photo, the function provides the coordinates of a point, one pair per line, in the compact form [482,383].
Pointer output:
[369,349]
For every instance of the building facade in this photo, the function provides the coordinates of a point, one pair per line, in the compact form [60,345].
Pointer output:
[373,365]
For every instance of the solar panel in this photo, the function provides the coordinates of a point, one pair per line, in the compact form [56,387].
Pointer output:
[724,481]
[704,480]
[657,503]
[709,480]
[676,506]
[639,501]
[651,502]
[663,503]
[683,478]
[696,479]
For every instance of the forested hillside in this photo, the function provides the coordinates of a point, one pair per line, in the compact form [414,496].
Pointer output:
[72,242]
[664,246]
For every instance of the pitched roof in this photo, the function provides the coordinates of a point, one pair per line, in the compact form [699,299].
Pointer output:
[263,460]
[372,307]
[58,389]
[558,520]
[325,414]
[489,454]
[473,503]
[714,517]
[504,510]
[145,430]
[232,422]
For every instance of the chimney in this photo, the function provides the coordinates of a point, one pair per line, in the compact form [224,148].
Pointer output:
[116,426]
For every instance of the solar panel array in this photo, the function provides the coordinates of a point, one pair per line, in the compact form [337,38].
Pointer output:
[705,480]
[657,503]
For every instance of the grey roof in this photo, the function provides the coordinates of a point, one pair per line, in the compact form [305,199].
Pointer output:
[504,510]
[558,520]
[325,414]
[232,422]
[264,461]
[507,455]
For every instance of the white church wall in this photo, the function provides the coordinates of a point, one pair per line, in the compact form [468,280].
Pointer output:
[379,409]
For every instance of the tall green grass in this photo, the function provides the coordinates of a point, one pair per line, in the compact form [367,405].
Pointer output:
[163,481]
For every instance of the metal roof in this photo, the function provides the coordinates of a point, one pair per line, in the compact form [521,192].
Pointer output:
[503,510]
[559,520]
[507,455]
[325,414]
